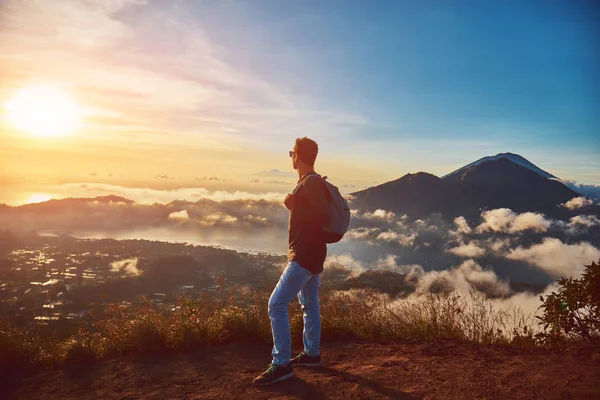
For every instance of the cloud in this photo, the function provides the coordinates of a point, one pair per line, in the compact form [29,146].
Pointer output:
[218,219]
[127,267]
[381,214]
[505,220]
[345,260]
[151,196]
[463,279]
[498,246]
[557,258]
[375,236]
[530,221]
[209,178]
[277,172]
[462,226]
[162,177]
[115,215]
[179,215]
[468,276]
[471,250]
[396,237]
[278,182]
[585,220]
[182,82]
[592,191]
[256,219]
[273,182]
[389,262]
[378,215]
[362,233]
[577,202]
[80,24]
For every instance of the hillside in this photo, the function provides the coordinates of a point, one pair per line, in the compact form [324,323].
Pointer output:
[503,183]
[353,370]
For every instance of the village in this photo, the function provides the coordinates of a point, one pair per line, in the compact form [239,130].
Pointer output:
[53,278]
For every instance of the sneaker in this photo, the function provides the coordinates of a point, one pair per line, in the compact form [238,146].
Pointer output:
[304,360]
[275,373]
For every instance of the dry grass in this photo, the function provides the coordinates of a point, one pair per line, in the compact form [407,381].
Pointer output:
[142,328]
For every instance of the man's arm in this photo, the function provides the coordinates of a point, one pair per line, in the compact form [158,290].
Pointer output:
[314,190]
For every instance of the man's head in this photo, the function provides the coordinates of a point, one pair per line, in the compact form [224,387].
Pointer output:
[305,152]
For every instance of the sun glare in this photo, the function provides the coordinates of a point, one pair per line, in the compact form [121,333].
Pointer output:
[38,198]
[44,111]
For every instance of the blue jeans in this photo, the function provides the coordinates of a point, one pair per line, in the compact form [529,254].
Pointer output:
[299,281]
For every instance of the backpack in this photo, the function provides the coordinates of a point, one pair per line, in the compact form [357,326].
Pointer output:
[339,211]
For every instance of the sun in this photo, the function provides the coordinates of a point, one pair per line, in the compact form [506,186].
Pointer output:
[44,111]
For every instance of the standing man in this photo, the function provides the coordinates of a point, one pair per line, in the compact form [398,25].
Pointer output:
[308,206]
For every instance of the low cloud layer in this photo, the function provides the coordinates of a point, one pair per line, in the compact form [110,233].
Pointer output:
[468,276]
[277,173]
[462,226]
[577,202]
[585,220]
[500,236]
[471,250]
[506,220]
[152,196]
[126,267]
[116,214]
[592,191]
[179,215]
[557,258]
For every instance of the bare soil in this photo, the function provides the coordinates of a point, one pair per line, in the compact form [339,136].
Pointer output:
[352,370]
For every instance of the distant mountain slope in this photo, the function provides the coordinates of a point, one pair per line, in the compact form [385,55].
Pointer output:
[416,195]
[515,158]
[502,183]
[489,184]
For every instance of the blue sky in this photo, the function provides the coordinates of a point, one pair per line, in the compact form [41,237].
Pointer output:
[521,76]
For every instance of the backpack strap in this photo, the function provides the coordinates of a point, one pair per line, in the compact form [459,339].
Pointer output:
[302,181]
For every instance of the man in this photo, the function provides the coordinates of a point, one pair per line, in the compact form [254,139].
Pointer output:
[308,206]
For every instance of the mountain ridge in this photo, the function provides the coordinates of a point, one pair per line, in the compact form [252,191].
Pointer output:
[488,183]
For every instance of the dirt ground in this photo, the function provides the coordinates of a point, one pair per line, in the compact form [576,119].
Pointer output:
[352,370]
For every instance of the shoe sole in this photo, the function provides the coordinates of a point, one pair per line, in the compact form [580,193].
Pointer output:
[316,365]
[283,378]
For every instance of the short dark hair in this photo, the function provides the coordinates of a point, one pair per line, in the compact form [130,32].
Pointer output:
[307,150]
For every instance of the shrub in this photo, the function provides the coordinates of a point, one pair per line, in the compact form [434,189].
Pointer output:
[574,311]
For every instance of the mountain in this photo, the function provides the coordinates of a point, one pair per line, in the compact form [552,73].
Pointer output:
[492,182]
[416,195]
[515,158]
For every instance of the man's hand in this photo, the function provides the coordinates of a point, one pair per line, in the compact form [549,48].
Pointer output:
[290,201]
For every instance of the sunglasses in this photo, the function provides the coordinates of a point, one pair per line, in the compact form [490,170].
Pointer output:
[292,153]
